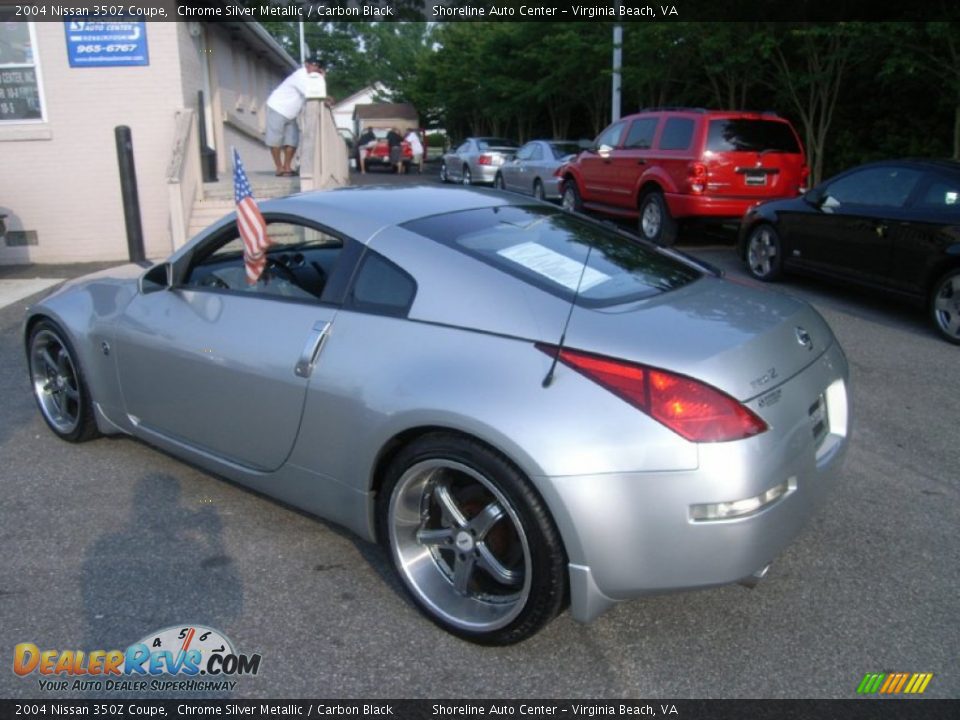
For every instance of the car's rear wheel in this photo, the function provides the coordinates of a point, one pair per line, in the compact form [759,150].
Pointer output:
[570,200]
[471,540]
[465,176]
[945,306]
[764,253]
[444,177]
[58,384]
[498,182]
[656,223]
[538,190]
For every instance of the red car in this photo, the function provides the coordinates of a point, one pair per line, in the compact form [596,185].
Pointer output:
[662,166]
[379,154]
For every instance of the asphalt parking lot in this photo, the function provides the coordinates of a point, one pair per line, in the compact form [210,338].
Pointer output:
[112,540]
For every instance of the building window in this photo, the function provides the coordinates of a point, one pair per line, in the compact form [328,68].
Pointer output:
[21,99]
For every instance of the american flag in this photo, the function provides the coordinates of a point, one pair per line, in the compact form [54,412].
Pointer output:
[253,228]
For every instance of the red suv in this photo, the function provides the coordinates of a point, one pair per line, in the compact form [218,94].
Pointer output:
[664,165]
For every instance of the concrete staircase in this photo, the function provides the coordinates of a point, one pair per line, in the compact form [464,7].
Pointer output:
[218,197]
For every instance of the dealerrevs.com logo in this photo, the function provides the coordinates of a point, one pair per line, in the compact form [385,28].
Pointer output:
[178,658]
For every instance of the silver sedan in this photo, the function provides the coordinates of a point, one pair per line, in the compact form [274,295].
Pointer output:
[476,160]
[531,171]
[527,408]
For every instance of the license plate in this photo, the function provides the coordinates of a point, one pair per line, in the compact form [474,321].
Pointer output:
[755,178]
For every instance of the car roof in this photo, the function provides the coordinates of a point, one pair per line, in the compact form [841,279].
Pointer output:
[362,211]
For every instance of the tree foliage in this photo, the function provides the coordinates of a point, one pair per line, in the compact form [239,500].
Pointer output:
[854,91]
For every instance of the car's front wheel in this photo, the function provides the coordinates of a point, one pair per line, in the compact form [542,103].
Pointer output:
[444,177]
[945,306]
[764,253]
[570,200]
[58,384]
[656,223]
[471,540]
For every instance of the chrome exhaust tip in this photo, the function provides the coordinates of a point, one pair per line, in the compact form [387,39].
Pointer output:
[751,581]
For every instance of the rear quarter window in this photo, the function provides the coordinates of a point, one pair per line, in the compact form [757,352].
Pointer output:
[677,134]
[558,252]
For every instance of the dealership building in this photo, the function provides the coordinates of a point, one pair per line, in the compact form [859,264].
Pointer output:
[188,91]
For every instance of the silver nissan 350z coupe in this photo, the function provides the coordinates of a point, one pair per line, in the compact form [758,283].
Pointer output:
[527,408]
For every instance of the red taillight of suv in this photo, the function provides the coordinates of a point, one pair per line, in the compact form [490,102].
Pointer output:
[698,177]
[692,409]
[485,160]
[804,179]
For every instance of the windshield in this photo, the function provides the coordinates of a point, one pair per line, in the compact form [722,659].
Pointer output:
[558,252]
[562,149]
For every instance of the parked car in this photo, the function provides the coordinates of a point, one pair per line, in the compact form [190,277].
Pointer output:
[476,160]
[892,225]
[667,165]
[379,154]
[525,406]
[532,171]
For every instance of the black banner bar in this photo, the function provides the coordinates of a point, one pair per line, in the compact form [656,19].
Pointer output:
[859,709]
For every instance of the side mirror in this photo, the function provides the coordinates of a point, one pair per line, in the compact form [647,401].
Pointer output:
[604,150]
[159,277]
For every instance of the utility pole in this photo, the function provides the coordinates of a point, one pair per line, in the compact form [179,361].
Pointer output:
[617,65]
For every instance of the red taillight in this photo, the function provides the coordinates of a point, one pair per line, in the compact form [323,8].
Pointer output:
[690,408]
[804,179]
[485,160]
[698,177]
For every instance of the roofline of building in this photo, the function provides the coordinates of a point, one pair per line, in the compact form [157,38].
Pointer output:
[258,36]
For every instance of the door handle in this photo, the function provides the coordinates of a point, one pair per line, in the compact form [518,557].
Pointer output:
[311,350]
[641,161]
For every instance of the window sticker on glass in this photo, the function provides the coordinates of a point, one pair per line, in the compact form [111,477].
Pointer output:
[554,266]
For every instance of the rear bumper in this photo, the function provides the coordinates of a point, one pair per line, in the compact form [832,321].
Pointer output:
[711,206]
[631,534]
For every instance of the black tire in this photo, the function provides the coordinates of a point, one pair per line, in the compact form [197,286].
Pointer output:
[498,182]
[496,572]
[655,223]
[59,386]
[945,306]
[444,177]
[763,253]
[465,176]
[571,200]
[538,190]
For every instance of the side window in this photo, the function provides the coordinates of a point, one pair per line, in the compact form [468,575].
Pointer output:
[677,134]
[610,136]
[526,152]
[464,148]
[641,133]
[299,263]
[382,288]
[941,195]
[537,153]
[873,187]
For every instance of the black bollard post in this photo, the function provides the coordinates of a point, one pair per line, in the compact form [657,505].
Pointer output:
[128,189]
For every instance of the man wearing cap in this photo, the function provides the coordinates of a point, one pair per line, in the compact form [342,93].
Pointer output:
[283,107]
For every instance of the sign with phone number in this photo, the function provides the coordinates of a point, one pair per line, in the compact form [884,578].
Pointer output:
[106,44]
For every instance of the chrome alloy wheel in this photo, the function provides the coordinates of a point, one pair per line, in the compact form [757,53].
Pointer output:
[55,382]
[460,545]
[946,307]
[762,252]
[651,219]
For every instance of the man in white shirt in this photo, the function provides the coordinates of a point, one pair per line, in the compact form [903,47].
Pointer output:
[416,147]
[283,107]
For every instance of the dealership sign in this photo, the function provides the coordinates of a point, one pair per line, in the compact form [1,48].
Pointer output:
[106,44]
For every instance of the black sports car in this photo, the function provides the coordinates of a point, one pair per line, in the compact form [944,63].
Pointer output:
[893,225]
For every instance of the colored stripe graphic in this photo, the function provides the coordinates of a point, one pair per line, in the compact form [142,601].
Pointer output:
[894,683]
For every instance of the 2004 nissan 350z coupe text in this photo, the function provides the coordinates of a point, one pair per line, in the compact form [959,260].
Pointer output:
[526,407]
